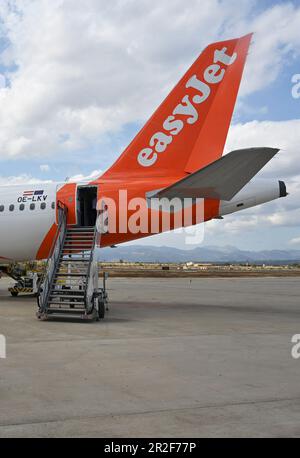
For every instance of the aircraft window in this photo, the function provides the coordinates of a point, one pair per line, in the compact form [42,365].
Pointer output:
[53,205]
[1,208]
[32,206]
[11,208]
[43,205]
[22,206]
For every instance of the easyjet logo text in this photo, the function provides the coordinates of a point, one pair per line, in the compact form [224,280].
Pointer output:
[186,109]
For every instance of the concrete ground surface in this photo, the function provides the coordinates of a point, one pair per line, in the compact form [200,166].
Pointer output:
[173,358]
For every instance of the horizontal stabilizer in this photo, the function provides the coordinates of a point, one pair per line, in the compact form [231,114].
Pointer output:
[221,179]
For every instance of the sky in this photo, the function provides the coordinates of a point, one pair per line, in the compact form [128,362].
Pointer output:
[79,79]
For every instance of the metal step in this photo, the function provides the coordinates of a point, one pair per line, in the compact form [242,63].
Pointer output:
[75,269]
[79,241]
[76,257]
[76,249]
[68,312]
[71,246]
[58,293]
[66,303]
[76,244]
[80,237]
[77,291]
[81,229]
[73,273]
[70,275]
[78,268]
[80,233]
[84,236]
[63,296]
[70,267]
[69,292]
[82,255]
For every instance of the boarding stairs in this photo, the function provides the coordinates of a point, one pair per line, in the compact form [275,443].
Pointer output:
[70,286]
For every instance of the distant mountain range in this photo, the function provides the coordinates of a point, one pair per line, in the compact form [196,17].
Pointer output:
[214,254]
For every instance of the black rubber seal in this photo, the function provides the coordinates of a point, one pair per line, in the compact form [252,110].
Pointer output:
[282,189]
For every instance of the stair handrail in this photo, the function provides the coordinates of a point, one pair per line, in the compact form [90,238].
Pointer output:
[88,283]
[101,227]
[53,256]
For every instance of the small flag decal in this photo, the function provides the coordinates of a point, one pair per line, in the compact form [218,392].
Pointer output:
[33,193]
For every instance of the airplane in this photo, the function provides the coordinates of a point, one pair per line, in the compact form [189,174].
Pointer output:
[178,153]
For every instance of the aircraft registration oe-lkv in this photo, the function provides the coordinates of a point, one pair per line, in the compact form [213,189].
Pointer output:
[176,155]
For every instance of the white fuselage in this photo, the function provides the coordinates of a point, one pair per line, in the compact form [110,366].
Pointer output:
[26,214]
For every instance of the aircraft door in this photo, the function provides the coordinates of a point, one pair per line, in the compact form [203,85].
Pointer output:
[86,205]
[67,195]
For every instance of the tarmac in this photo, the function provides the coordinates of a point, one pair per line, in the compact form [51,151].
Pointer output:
[174,357]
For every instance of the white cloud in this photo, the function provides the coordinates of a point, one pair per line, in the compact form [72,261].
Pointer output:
[276,42]
[21,179]
[87,68]
[28,179]
[45,168]
[91,176]
[2,81]
[284,166]
[278,134]
[295,241]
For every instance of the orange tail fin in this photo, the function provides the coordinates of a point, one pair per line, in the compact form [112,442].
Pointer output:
[189,129]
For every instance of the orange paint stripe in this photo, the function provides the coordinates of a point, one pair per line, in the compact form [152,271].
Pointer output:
[46,244]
